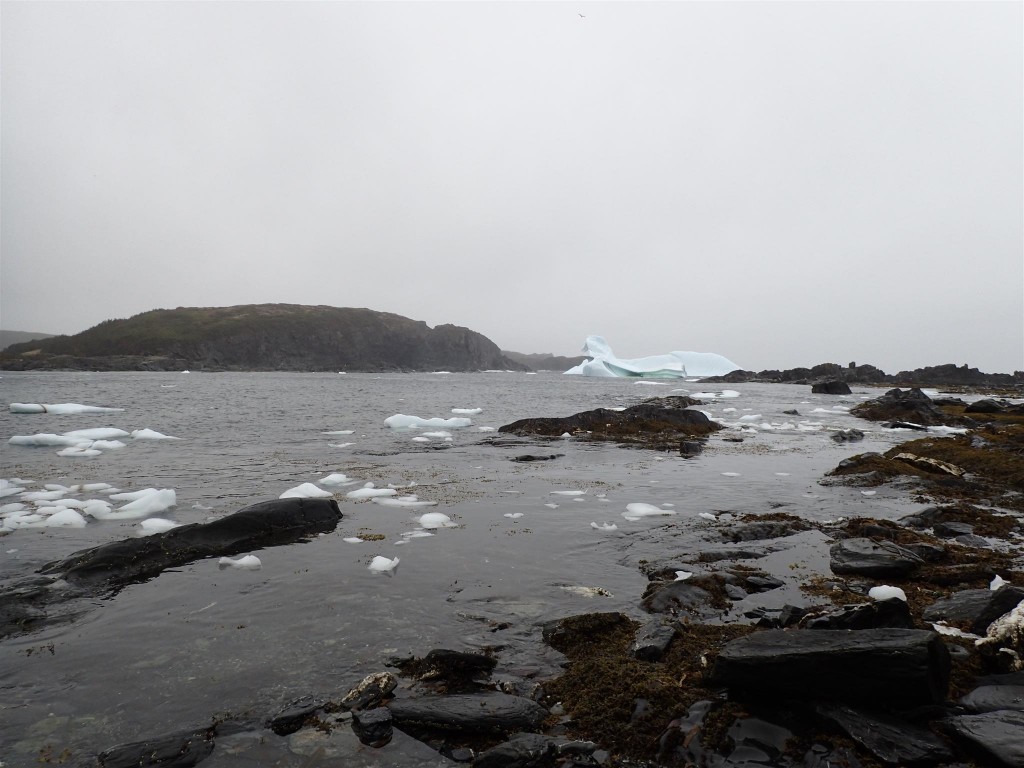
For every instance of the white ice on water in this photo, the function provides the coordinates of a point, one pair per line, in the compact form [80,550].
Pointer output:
[151,434]
[250,562]
[381,564]
[402,421]
[96,433]
[402,501]
[604,526]
[433,520]
[306,491]
[59,408]
[157,525]
[370,491]
[638,511]
[468,411]
[336,480]
[150,503]
[675,365]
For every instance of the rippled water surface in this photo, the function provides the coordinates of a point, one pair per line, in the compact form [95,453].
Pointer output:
[192,643]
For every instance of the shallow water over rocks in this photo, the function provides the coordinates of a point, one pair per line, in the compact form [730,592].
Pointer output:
[196,642]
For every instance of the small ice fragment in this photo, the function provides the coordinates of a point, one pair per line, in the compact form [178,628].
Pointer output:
[306,491]
[46,440]
[868,493]
[340,432]
[402,501]
[683,575]
[436,520]
[707,516]
[730,474]
[381,564]
[514,515]
[339,445]
[468,411]
[440,434]
[487,429]
[638,511]
[782,474]
[336,479]
[66,518]
[151,434]
[667,504]
[107,445]
[566,434]
[604,526]
[886,592]
[41,495]
[997,582]
[352,540]
[250,562]
[157,525]
[421,439]
[401,421]
[369,492]
[567,493]
[551,505]
[59,408]
[94,487]
[96,433]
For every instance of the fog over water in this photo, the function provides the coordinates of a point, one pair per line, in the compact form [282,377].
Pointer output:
[780,183]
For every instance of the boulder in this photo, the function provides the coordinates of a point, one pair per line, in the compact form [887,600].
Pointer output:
[467,714]
[294,715]
[848,436]
[524,750]
[990,698]
[373,726]
[878,613]
[866,557]
[177,750]
[678,597]
[912,406]
[831,387]
[976,607]
[652,640]
[903,667]
[115,565]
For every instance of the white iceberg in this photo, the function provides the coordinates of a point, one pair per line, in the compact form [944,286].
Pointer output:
[674,365]
[59,408]
[306,491]
[402,421]
[250,562]
[381,564]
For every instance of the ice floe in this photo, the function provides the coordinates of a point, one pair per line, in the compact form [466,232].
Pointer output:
[151,502]
[604,526]
[673,365]
[436,520]
[568,493]
[468,411]
[151,434]
[370,491]
[59,408]
[402,501]
[306,491]
[157,525]
[638,511]
[402,421]
[381,564]
[250,562]
[336,480]
[885,592]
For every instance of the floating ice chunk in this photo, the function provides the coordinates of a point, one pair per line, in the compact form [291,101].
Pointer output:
[402,501]
[369,491]
[46,440]
[152,502]
[468,411]
[352,540]
[886,592]
[340,432]
[339,445]
[79,451]
[567,493]
[782,474]
[441,434]
[708,516]
[42,495]
[96,433]
[868,493]
[381,564]
[151,434]
[638,511]
[942,429]
[674,365]
[421,439]
[107,445]
[337,480]
[997,582]
[605,526]
[250,562]
[401,421]
[157,525]
[66,518]
[551,505]
[728,410]
[730,474]
[306,491]
[94,506]
[15,506]
[436,520]
[514,515]
[652,383]
[132,495]
[487,429]
[751,417]
[683,575]
[729,393]
[95,487]
[59,408]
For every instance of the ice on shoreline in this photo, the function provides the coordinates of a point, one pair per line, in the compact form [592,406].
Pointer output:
[674,365]
[402,421]
[639,510]
[59,408]
[306,491]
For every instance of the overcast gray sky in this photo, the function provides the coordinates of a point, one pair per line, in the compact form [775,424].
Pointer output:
[781,183]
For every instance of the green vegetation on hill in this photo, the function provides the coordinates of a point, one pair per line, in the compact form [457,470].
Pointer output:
[262,337]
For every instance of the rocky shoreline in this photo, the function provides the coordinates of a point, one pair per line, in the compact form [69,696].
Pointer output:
[907,650]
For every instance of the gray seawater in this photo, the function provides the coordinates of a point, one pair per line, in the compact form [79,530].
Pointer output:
[201,641]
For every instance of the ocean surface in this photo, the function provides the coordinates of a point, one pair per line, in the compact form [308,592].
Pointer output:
[202,641]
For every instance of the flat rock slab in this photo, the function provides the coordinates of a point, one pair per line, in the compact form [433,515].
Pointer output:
[867,557]
[468,714]
[979,607]
[990,698]
[878,613]
[119,563]
[903,667]
[891,740]
[999,736]
[179,750]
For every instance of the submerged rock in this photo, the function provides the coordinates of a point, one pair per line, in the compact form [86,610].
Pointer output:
[177,750]
[904,667]
[912,406]
[872,558]
[467,714]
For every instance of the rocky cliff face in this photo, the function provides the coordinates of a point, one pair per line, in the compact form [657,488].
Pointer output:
[265,337]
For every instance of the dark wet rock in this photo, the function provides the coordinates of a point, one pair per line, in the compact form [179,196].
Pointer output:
[890,739]
[996,736]
[987,406]
[831,387]
[912,406]
[756,742]
[113,566]
[792,412]
[734,592]
[861,556]
[847,436]
[373,726]
[178,750]
[690,448]
[903,667]
[455,670]
[483,713]
[715,555]
[930,553]
[970,540]
[294,715]
[976,607]
[989,698]
[533,457]
[652,640]
[678,597]
[904,425]
[370,691]
[763,583]
[821,756]
[524,750]
[657,423]
[790,615]
[768,529]
[681,740]
[876,614]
